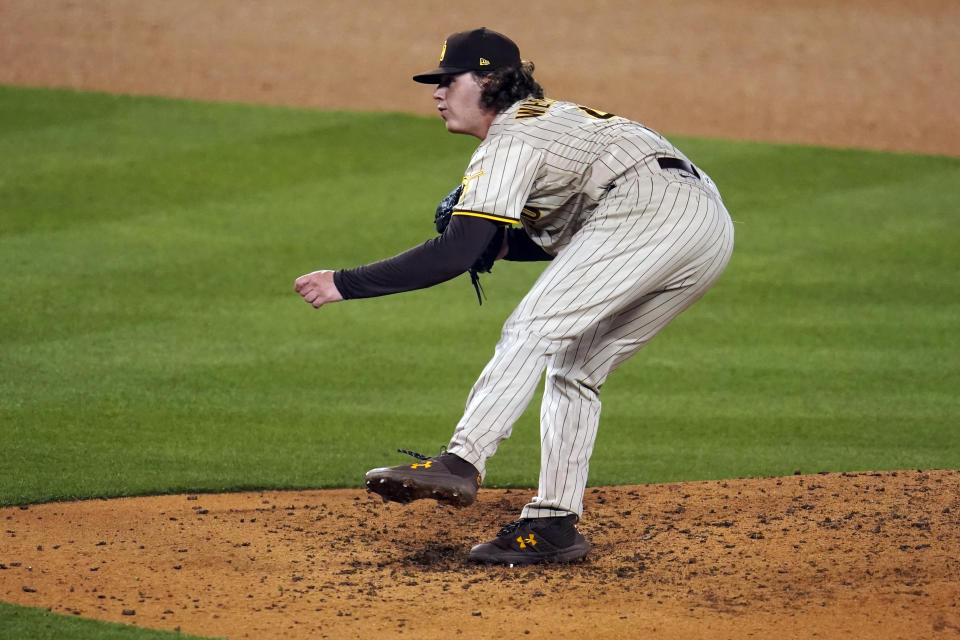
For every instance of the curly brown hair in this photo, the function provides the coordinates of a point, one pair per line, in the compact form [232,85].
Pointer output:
[503,87]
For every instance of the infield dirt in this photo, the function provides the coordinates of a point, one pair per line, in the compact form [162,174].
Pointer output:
[828,556]
[853,555]
[876,74]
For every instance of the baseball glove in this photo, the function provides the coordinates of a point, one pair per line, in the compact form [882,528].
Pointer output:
[483,264]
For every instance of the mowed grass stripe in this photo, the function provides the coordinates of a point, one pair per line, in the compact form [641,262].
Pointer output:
[151,341]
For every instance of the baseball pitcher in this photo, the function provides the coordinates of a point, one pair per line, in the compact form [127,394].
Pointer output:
[633,233]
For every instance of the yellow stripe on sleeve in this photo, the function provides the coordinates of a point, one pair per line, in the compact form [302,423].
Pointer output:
[488,216]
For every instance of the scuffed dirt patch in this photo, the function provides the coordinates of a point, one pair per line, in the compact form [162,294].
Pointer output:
[832,556]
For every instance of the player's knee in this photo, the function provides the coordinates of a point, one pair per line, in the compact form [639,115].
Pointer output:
[575,381]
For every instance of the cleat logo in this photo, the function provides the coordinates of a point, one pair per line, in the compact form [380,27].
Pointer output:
[425,465]
[523,542]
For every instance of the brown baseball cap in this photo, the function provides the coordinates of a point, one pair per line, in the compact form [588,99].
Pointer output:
[480,50]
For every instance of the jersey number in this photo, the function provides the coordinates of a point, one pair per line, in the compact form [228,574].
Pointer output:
[593,113]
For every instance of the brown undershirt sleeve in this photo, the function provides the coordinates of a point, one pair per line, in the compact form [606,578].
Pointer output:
[522,249]
[436,260]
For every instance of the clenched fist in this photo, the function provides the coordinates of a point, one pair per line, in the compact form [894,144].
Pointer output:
[317,288]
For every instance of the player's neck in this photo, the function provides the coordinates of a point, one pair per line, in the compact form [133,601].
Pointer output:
[482,126]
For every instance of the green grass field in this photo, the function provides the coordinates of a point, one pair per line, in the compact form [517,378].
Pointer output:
[27,623]
[151,341]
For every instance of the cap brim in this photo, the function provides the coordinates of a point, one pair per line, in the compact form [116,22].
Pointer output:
[433,76]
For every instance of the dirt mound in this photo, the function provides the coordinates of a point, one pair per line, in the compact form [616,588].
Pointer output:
[829,556]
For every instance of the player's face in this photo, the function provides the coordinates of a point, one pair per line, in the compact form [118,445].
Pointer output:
[458,100]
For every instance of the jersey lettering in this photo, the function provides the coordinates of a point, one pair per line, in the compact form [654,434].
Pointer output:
[533,108]
[466,183]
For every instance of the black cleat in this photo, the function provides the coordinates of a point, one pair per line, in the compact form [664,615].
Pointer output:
[445,478]
[534,540]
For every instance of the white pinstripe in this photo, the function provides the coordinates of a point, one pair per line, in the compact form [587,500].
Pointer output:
[634,246]
[653,245]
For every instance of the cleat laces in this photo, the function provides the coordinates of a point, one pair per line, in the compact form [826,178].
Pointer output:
[420,456]
[509,528]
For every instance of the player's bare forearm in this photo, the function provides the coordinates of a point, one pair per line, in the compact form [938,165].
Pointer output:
[317,288]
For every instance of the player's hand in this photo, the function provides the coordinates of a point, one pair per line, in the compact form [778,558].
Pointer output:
[317,288]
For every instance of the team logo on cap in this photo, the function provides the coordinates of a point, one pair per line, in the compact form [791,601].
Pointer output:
[443,51]
[484,62]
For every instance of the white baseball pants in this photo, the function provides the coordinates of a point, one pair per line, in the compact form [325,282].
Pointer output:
[653,246]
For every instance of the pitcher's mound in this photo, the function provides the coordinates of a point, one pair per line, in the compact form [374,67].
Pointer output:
[854,555]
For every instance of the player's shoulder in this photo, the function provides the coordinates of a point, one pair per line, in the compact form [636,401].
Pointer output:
[545,123]
[548,114]
[532,111]
[536,121]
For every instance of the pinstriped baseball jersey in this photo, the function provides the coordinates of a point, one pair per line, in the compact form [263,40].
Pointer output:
[546,164]
[638,234]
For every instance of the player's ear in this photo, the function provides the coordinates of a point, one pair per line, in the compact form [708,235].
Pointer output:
[485,79]
[486,82]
